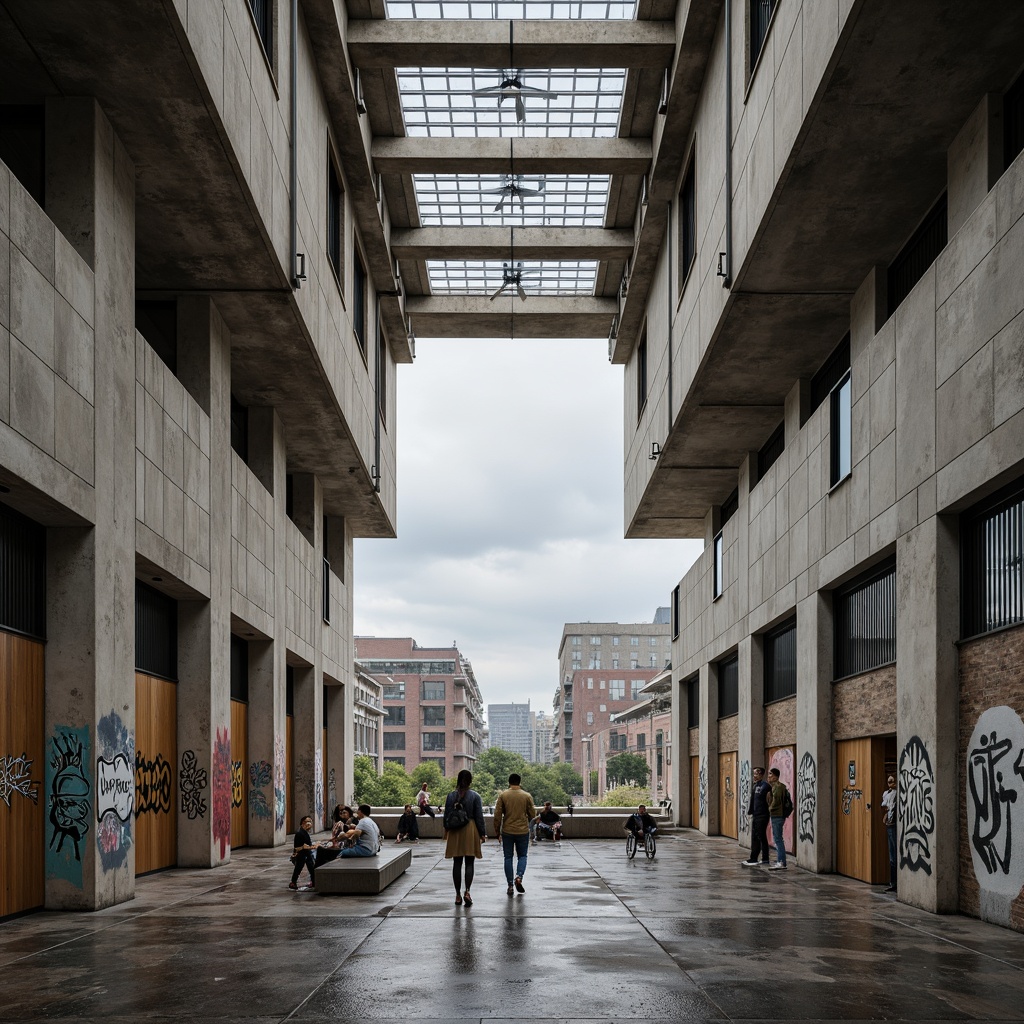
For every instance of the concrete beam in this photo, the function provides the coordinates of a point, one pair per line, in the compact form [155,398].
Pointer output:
[481,243]
[498,156]
[537,44]
[475,316]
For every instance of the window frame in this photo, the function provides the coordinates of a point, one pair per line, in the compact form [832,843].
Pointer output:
[642,393]
[687,223]
[726,683]
[875,575]
[771,684]
[335,241]
[717,566]
[840,439]
[360,303]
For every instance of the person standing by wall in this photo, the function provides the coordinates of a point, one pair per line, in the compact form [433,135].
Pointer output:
[462,837]
[758,811]
[777,804]
[513,812]
[889,817]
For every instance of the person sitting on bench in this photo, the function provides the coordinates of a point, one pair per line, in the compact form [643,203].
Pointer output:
[549,823]
[366,834]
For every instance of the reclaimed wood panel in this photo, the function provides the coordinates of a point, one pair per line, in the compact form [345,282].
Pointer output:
[853,808]
[156,790]
[728,800]
[239,774]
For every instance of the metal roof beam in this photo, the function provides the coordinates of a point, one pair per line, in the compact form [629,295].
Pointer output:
[475,316]
[530,243]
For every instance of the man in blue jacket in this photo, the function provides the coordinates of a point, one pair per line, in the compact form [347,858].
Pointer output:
[758,811]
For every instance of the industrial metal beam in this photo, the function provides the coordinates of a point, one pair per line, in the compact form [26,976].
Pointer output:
[475,316]
[534,243]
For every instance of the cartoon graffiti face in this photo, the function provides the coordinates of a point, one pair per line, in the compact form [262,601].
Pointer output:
[917,802]
[807,795]
[69,794]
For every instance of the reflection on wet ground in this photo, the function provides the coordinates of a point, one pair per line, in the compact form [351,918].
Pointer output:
[691,936]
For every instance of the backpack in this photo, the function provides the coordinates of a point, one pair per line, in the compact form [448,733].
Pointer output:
[787,804]
[455,817]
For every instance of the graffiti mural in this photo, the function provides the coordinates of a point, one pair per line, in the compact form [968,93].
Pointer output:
[318,786]
[995,798]
[16,777]
[192,781]
[69,802]
[702,789]
[280,782]
[785,761]
[332,789]
[849,795]
[154,784]
[113,835]
[221,797]
[260,774]
[115,791]
[807,796]
[917,802]
[237,784]
[744,796]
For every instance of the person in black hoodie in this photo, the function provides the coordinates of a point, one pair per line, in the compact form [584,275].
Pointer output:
[758,811]
[303,855]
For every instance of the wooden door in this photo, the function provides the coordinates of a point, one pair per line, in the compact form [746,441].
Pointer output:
[784,758]
[855,787]
[23,800]
[239,774]
[695,792]
[156,754]
[728,805]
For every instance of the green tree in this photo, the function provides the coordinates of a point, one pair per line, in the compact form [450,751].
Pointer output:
[625,796]
[365,780]
[627,769]
[394,787]
[543,784]
[500,764]
[484,784]
[568,778]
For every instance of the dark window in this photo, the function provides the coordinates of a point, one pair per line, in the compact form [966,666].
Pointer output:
[439,761]
[156,632]
[718,566]
[693,703]
[326,591]
[335,221]
[992,562]
[240,429]
[157,322]
[841,432]
[773,448]
[918,254]
[395,760]
[433,689]
[780,662]
[263,15]
[830,373]
[22,574]
[864,622]
[641,741]
[382,376]
[359,301]
[289,690]
[730,507]
[239,669]
[394,741]
[687,225]
[394,716]
[433,741]
[760,18]
[1013,121]
[433,716]
[23,146]
[675,613]
[641,373]
[394,691]
[289,497]
[728,687]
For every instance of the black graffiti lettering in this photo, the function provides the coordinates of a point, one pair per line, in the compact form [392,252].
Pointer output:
[153,785]
[192,781]
[744,795]
[69,793]
[992,835]
[849,795]
[807,795]
[917,801]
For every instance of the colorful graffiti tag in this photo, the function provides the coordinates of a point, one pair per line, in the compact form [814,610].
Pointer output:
[114,743]
[260,774]
[222,790]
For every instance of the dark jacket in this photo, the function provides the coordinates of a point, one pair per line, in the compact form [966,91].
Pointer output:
[759,800]
[408,825]
[472,805]
[777,799]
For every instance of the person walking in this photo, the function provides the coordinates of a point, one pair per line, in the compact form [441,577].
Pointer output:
[513,812]
[304,855]
[889,818]
[463,833]
[758,811]
[423,801]
[777,802]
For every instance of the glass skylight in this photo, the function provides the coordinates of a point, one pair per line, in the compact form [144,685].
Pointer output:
[507,9]
[568,200]
[438,103]
[485,277]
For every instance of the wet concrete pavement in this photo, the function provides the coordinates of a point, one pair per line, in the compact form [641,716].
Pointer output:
[691,936]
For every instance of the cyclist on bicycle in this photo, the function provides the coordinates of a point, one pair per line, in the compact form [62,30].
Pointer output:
[640,822]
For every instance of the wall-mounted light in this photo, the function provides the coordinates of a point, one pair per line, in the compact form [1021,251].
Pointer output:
[360,102]
[300,268]
[655,450]
[723,265]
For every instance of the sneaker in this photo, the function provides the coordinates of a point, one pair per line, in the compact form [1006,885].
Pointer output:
[519,884]
[511,891]
[892,888]
[748,863]
[777,867]
[306,888]
[292,885]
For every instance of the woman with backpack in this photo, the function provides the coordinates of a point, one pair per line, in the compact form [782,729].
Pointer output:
[464,832]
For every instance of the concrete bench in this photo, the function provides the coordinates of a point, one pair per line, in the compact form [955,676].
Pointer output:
[363,875]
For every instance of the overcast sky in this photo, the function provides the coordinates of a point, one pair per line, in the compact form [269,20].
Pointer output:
[510,512]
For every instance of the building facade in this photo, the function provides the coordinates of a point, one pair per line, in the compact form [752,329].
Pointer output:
[540,738]
[823,383]
[509,727]
[433,710]
[196,419]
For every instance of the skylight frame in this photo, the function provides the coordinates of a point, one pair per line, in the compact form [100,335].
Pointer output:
[564,278]
[503,10]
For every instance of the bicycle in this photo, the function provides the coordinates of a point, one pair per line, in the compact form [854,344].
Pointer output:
[632,844]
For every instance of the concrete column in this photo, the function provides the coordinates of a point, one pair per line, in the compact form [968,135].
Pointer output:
[204,627]
[90,654]
[340,741]
[751,722]
[267,750]
[927,606]
[707,778]
[307,703]
[678,771]
[813,800]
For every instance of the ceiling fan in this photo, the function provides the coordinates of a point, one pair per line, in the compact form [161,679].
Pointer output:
[513,278]
[511,87]
[513,188]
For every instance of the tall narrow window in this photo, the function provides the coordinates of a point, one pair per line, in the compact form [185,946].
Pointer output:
[760,19]
[918,254]
[675,613]
[780,662]
[687,224]
[263,16]
[240,429]
[382,376]
[693,702]
[359,301]
[335,219]
[728,687]
[841,439]
[1013,121]
[717,566]
[864,622]
[641,374]
[773,448]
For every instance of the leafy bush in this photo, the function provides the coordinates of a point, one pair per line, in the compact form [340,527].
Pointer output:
[626,796]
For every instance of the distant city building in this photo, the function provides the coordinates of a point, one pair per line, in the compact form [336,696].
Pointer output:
[509,726]
[432,704]
[369,710]
[602,666]
[540,738]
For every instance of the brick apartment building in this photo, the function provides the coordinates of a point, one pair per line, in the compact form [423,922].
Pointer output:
[433,710]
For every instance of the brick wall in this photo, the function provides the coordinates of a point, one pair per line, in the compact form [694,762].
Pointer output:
[865,705]
[780,723]
[991,675]
[728,734]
